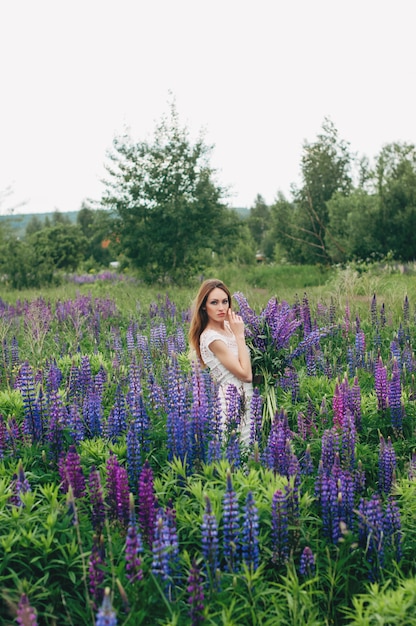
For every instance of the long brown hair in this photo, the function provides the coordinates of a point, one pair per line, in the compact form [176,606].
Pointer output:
[199,319]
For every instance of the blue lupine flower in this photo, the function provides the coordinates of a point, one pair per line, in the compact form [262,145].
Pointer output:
[386,465]
[231,527]
[106,615]
[133,547]
[307,562]
[209,539]
[195,595]
[280,530]
[395,397]
[250,534]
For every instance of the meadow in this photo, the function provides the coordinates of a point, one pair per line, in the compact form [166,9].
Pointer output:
[122,502]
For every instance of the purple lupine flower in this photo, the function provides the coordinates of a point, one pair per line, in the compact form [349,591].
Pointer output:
[348,441]
[307,562]
[71,473]
[26,614]
[133,547]
[360,348]
[256,417]
[250,533]
[33,425]
[147,504]
[386,465]
[161,548]
[195,595]
[95,568]
[355,402]
[373,310]
[370,534]
[359,478]
[280,530]
[392,528]
[96,500]
[232,449]
[136,406]
[306,462]
[234,408]
[395,397]
[305,314]
[380,383]
[58,418]
[76,423]
[134,457]
[231,526]
[3,436]
[117,490]
[20,485]
[275,454]
[199,418]
[178,412]
[130,335]
[106,616]
[330,447]
[209,540]
[396,353]
[116,423]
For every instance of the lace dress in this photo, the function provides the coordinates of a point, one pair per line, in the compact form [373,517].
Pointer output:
[224,378]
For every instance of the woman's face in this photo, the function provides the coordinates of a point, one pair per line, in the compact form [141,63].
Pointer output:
[217,305]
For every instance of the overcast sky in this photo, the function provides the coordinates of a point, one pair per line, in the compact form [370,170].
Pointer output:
[259,77]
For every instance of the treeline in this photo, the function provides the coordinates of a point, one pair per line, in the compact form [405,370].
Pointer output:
[164,216]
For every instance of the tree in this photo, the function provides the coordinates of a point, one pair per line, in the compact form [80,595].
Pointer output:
[63,244]
[168,209]
[396,185]
[97,226]
[259,221]
[326,169]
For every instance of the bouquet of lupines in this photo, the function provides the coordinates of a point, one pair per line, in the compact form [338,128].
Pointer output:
[268,336]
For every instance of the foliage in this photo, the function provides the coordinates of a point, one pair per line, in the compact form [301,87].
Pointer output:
[168,206]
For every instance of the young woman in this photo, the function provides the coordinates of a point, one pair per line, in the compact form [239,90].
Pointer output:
[217,335]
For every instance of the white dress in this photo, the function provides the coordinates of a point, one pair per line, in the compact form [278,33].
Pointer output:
[224,377]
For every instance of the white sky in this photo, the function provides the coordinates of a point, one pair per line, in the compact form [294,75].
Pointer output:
[259,76]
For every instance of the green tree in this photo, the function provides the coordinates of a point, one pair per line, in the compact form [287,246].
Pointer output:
[63,244]
[326,169]
[34,225]
[259,222]
[395,174]
[97,226]
[168,207]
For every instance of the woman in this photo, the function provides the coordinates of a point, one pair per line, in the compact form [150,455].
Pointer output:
[217,335]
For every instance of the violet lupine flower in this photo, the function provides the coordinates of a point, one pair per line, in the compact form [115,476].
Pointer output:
[117,490]
[134,457]
[116,423]
[136,406]
[209,540]
[96,563]
[330,447]
[20,485]
[305,314]
[348,441]
[3,436]
[359,478]
[250,534]
[396,353]
[130,335]
[199,418]
[147,504]
[195,595]
[133,547]
[231,526]
[386,465]
[234,409]
[97,500]
[33,419]
[306,462]
[275,454]
[71,473]
[161,548]
[106,616]
[256,417]
[157,398]
[307,562]
[58,418]
[92,413]
[370,534]
[26,614]
[178,412]
[381,385]
[232,450]
[360,348]
[75,423]
[392,528]
[280,529]
[395,397]
[330,507]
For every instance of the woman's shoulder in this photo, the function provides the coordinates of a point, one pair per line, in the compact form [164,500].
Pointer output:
[209,335]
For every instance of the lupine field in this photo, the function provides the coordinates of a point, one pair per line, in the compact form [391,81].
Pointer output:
[122,501]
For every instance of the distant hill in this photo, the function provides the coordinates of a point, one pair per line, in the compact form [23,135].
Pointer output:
[19,222]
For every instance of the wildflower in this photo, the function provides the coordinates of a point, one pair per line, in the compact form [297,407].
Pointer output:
[280,531]
[231,525]
[97,500]
[250,534]
[71,473]
[195,595]
[380,382]
[26,615]
[133,547]
[395,397]
[20,485]
[307,562]
[106,615]
[386,465]
[147,504]
[95,567]
[209,536]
